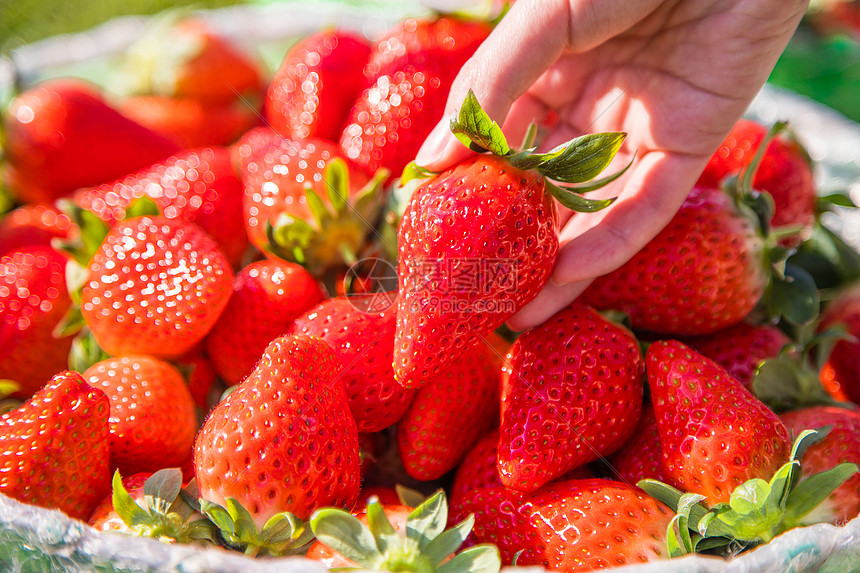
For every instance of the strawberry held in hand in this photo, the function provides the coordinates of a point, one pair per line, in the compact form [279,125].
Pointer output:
[479,241]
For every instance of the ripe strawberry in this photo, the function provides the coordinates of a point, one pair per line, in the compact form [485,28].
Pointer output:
[410,72]
[479,240]
[195,185]
[842,444]
[31,225]
[61,135]
[571,392]
[190,122]
[200,375]
[267,296]
[187,59]
[303,202]
[363,342]
[54,449]
[844,361]
[318,81]
[33,300]
[640,456]
[714,433]
[283,441]
[705,271]
[479,469]
[431,437]
[152,417]
[740,348]
[156,286]
[576,525]
[785,172]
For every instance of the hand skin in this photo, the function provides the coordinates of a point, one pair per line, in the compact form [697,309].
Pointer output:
[675,75]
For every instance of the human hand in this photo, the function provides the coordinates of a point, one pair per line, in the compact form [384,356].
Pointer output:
[674,74]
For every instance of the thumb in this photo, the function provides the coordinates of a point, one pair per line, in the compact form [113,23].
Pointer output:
[528,40]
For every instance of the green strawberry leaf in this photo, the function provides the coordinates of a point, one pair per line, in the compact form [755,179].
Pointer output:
[85,351]
[428,520]
[583,158]
[161,489]
[408,496]
[530,136]
[812,491]
[474,128]
[93,231]
[827,257]
[698,513]
[749,497]
[345,534]
[577,202]
[317,207]
[126,508]
[678,539]
[221,518]
[448,541]
[383,532]
[528,159]
[243,523]
[704,544]
[477,559]
[70,324]
[142,206]
[825,202]
[749,173]
[784,383]
[285,534]
[794,297]
[597,183]
[336,177]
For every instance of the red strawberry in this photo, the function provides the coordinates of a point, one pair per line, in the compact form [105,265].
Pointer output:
[316,85]
[479,241]
[190,122]
[741,348]
[410,71]
[54,449]
[715,434]
[317,205]
[200,375]
[577,525]
[363,341]
[33,300]
[267,297]
[479,469]
[705,271]
[283,441]
[31,225]
[156,286]
[61,135]
[844,362]
[195,185]
[571,393]
[640,456]
[842,444]
[432,437]
[785,172]
[152,417]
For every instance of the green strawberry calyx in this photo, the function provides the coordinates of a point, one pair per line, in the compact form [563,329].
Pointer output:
[339,227]
[164,514]
[282,534]
[757,511]
[426,547]
[569,169]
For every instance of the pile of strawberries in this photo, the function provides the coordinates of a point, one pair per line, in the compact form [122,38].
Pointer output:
[204,339]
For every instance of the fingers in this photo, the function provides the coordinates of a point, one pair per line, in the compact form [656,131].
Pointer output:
[528,40]
[551,299]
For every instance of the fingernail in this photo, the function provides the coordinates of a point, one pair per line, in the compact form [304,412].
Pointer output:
[434,145]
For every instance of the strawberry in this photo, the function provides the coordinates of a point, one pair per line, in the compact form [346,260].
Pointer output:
[283,443]
[33,300]
[576,525]
[30,225]
[410,72]
[200,375]
[190,122]
[431,437]
[149,505]
[703,272]
[195,185]
[317,83]
[152,417]
[363,342]
[842,444]
[715,434]
[640,456]
[185,58]
[571,393]
[303,202]
[740,348]
[54,448]
[479,240]
[785,172]
[156,286]
[479,469]
[843,362]
[61,135]
[398,538]
[267,296]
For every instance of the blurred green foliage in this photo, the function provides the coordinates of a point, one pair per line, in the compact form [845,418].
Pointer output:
[26,21]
